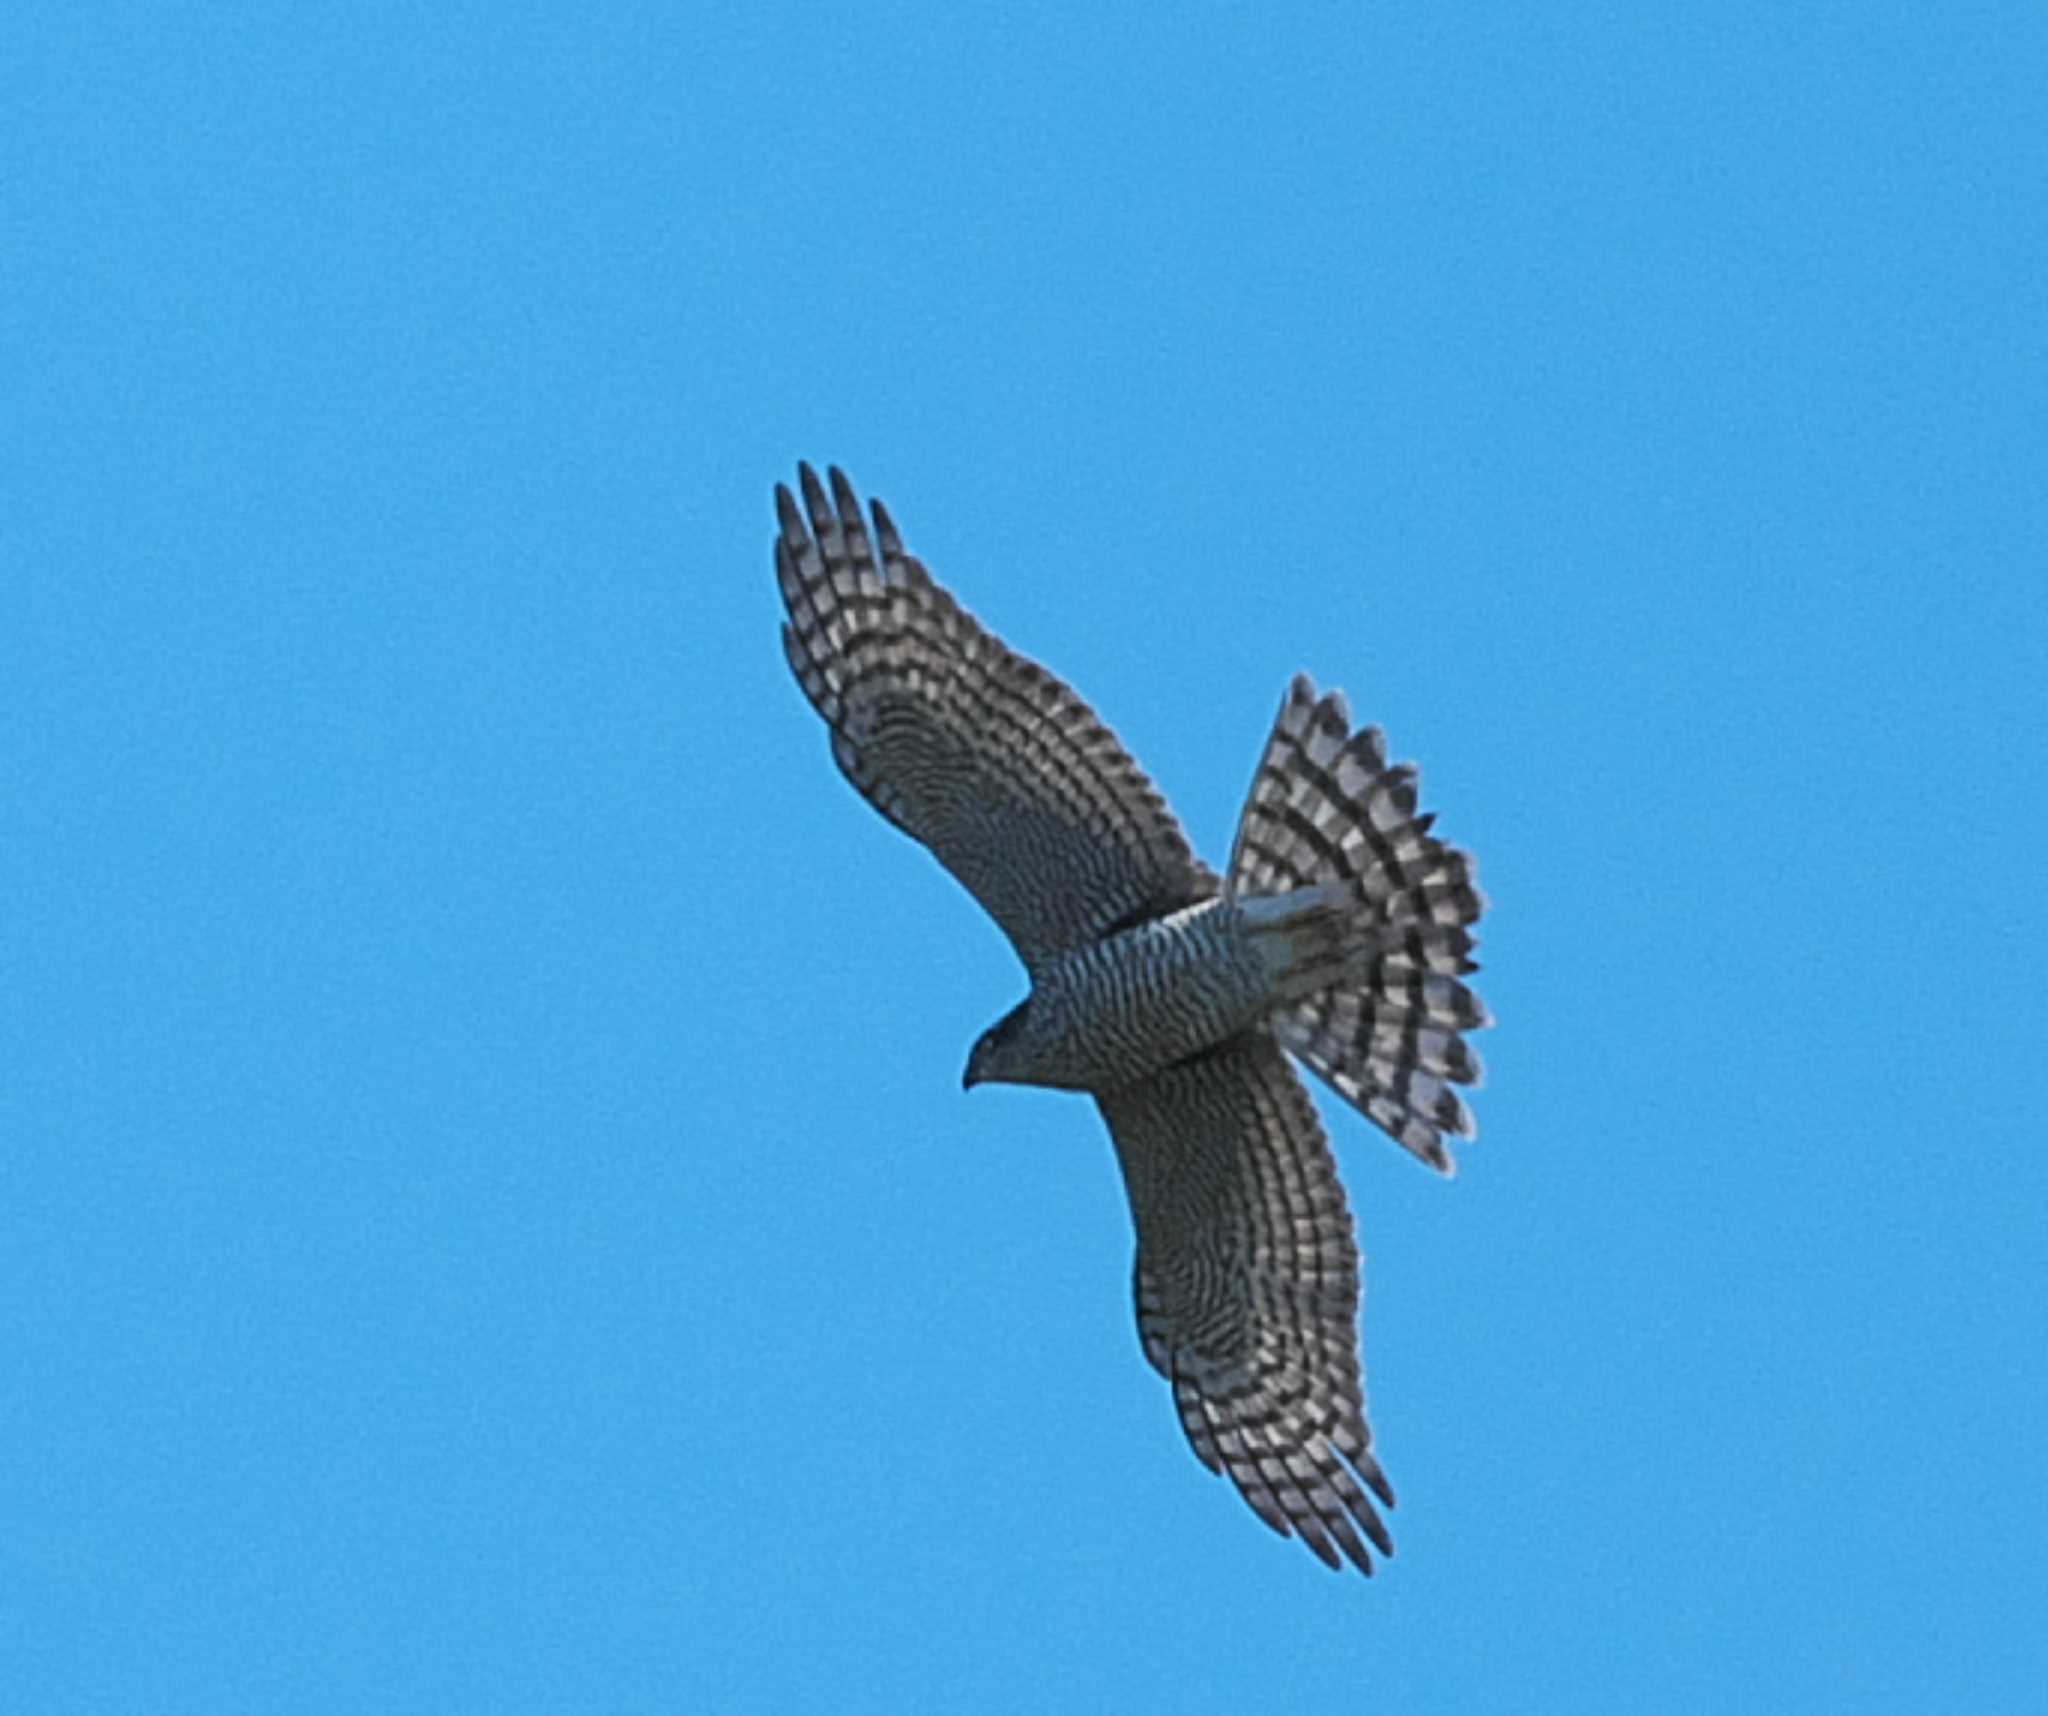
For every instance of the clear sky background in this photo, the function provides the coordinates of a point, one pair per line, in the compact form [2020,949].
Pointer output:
[488,1217]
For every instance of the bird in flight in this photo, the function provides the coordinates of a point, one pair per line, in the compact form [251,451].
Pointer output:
[1338,935]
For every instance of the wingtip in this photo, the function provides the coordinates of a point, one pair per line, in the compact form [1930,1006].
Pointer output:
[885,530]
[814,496]
[843,495]
[1375,1477]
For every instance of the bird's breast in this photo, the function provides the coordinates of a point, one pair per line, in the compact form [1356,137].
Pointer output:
[1122,1008]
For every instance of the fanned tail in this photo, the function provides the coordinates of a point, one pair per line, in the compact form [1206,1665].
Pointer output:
[1332,852]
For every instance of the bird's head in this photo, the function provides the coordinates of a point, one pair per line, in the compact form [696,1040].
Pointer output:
[993,1059]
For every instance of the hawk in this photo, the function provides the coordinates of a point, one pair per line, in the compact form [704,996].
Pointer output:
[1339,935]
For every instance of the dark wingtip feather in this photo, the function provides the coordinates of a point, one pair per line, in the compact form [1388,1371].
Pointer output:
[788,516]
[843,496]
[815,502]
[885,529]
[1325,1551]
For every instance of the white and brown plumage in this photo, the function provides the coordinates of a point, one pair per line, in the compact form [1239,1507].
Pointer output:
[1170,994]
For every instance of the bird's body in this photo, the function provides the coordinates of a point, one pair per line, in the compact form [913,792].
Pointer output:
[1169,993]
[1117,1010]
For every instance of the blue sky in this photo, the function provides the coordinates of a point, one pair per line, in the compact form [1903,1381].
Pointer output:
[488,1217]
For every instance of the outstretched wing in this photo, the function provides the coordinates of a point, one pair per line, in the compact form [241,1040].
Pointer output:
[1247,1287]
[981,754]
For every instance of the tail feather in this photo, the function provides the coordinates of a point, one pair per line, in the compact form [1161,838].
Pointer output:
[1307,938]
[1332,830]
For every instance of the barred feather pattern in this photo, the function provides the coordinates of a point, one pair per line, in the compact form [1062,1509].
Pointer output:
[993,763]
[1247,1285]
[1326,805]
[1247,1271]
